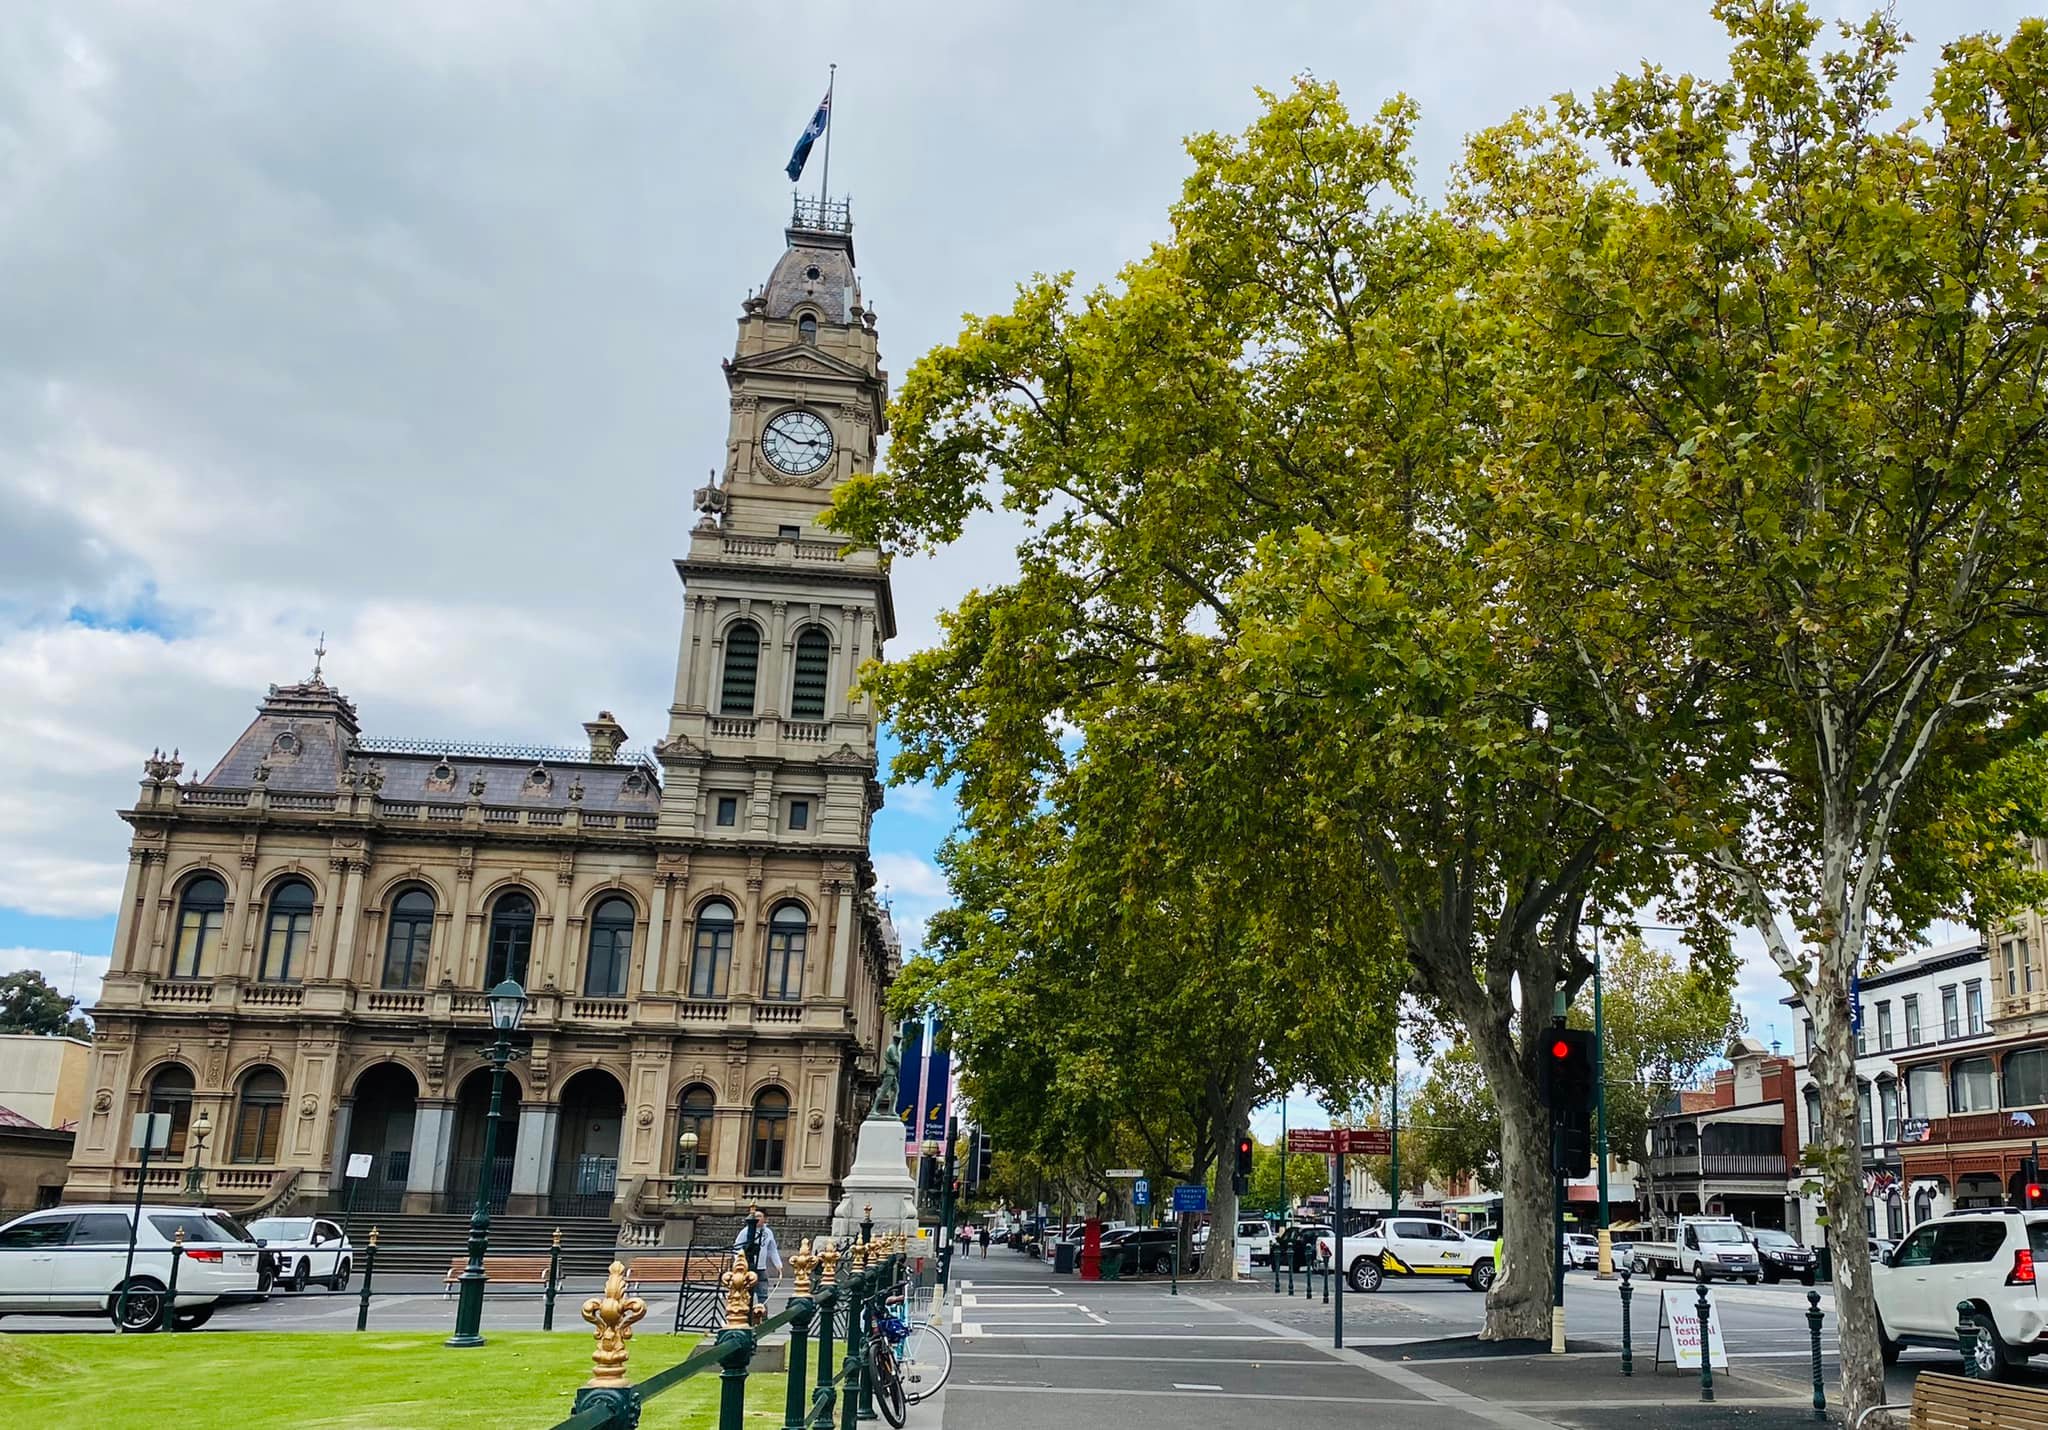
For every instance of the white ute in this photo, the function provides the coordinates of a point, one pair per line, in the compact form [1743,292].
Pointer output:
[1411,1246]
[1714,1245]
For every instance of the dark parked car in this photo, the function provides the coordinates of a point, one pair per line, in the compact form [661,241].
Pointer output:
[1294,1249]
[1781,1256]
[1149,1251]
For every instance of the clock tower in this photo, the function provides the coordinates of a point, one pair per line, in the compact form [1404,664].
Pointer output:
[769,764]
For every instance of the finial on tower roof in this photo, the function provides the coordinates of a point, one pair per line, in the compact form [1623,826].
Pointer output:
[319,655]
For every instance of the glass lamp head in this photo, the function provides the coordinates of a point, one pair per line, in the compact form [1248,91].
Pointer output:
[508,1005]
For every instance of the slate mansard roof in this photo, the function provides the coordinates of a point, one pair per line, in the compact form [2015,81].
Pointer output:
[306,740]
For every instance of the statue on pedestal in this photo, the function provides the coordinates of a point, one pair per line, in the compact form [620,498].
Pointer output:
[892,1067]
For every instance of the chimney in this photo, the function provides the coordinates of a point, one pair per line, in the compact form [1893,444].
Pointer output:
[607,736]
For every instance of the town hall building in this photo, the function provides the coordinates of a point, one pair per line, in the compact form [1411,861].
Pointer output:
[309,927]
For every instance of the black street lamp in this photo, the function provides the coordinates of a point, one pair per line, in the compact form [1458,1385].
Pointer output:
[686,1189]
[507,1003]
[195,1176]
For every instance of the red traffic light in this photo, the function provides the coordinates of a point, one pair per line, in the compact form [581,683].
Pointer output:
[1560,1049]
[1244,1146]
[2033,1192]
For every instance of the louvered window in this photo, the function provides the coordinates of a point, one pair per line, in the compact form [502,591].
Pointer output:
[813,664]
[742,664]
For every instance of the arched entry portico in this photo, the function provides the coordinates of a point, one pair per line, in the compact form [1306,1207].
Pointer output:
[586,1171]
[382,1110]
[466,1160]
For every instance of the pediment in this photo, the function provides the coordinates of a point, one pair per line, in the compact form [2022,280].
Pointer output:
[800,360]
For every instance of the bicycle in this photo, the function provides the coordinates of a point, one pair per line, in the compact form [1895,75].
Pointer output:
[914,1358]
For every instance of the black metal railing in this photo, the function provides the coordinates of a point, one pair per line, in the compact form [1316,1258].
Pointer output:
[592,1183]
[459,1195]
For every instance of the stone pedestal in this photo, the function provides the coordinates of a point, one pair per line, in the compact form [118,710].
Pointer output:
[880,1178]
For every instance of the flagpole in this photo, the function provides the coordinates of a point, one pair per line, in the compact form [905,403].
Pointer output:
[825,174]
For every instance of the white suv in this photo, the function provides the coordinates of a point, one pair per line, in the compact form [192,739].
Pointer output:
[1986,1258]
[69,1261]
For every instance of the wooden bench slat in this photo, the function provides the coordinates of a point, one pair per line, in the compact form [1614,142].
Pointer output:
[1954,1402]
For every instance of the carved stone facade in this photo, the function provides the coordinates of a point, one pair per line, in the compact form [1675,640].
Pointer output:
[307,932]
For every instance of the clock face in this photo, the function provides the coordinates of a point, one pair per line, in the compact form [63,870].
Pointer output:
[797,442]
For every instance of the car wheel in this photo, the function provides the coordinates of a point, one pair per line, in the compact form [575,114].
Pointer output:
[140,1309]
[1659,1271]
[1366,1275]
[193,1320]
[1806,1278]
[1163,1266]
[1886,1346]
[1481,1278]
[1770,1278]
[300,1276]
[1752,1279]
[1989,1357]
[339,1281]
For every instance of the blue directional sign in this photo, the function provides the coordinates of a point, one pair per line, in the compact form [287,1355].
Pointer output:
[1141,1192]
[1191,1199]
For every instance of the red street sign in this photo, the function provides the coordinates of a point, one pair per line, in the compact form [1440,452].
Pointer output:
[1361,1141]
[1312,1139]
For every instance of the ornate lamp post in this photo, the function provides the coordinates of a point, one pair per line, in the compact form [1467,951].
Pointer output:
[507,1003]
[195,1178]
[686,1186]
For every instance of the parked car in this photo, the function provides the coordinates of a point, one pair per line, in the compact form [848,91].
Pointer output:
[1702,1245]
[1987,1259]
[1295,1246]
[1421,1247]
[70,1261]
[306,1249]
[1881,1249]
[1780,1255]
[1581,1250]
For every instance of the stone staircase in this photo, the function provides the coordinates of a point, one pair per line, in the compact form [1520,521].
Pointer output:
[419,1243]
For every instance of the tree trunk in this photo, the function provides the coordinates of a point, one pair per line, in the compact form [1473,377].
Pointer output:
[1518,1306]
[1841,1160]
[1219,1260]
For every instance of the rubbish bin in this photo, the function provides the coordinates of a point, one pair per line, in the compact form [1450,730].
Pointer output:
[1063,1257]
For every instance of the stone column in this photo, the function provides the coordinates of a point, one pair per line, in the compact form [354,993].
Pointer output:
[768,692]
[433,1143]
[150,916]
[839,980]
[340,961]
[131,892]
[344,1118]
[237,937]
[460,962]
[533,1164]
[653,945]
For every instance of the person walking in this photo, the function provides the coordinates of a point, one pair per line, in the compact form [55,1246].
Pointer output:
[757,1239]
[984,1239]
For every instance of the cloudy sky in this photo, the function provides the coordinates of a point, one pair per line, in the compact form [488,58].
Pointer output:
[401,321]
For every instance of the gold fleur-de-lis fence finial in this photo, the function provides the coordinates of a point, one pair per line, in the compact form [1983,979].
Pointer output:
[613,1313]
[739,1294]
[802,1265]
[828,1262]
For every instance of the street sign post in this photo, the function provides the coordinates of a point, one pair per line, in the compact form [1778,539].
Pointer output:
[1141,1193]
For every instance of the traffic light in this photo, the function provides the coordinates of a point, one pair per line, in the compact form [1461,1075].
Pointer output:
[984,1157]
[1569,1083]
[2030,1182]
[1243,1180]
[1568,1077]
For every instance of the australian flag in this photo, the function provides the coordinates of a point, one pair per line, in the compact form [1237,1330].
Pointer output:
[812,131]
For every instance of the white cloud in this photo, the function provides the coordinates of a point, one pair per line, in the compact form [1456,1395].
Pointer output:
[910,877]
[76,975]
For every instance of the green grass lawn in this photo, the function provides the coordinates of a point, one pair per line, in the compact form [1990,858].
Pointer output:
[363,1381]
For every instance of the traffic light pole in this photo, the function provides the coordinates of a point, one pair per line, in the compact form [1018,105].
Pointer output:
[946,1202]
[1605,1269]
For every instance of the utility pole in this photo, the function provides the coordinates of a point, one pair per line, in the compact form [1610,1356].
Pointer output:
[1605,1270]
[1394,1143]
[946,1201]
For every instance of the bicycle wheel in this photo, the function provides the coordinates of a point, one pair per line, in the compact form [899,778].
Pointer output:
[888,1384]
[923,1361]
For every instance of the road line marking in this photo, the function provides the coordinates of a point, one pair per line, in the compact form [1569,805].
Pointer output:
[969,1331]
[1145,1360]
[1122,1336]
[966,1388]
[1185,1385]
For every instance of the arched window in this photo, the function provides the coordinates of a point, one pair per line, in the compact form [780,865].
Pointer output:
[259,1116]
[287,933]
[807,329]
[411,934]
[771,1133]
[1812,1115]
[170,1092]
[511,939]
[1970,1086]
[2025,1078]
[611,950]
[1923,1205]
[742,665]
[693,1114]
[712,956]
[785,980]
[1863,1112]
[1888,1109]
[200,912]
[813,666]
